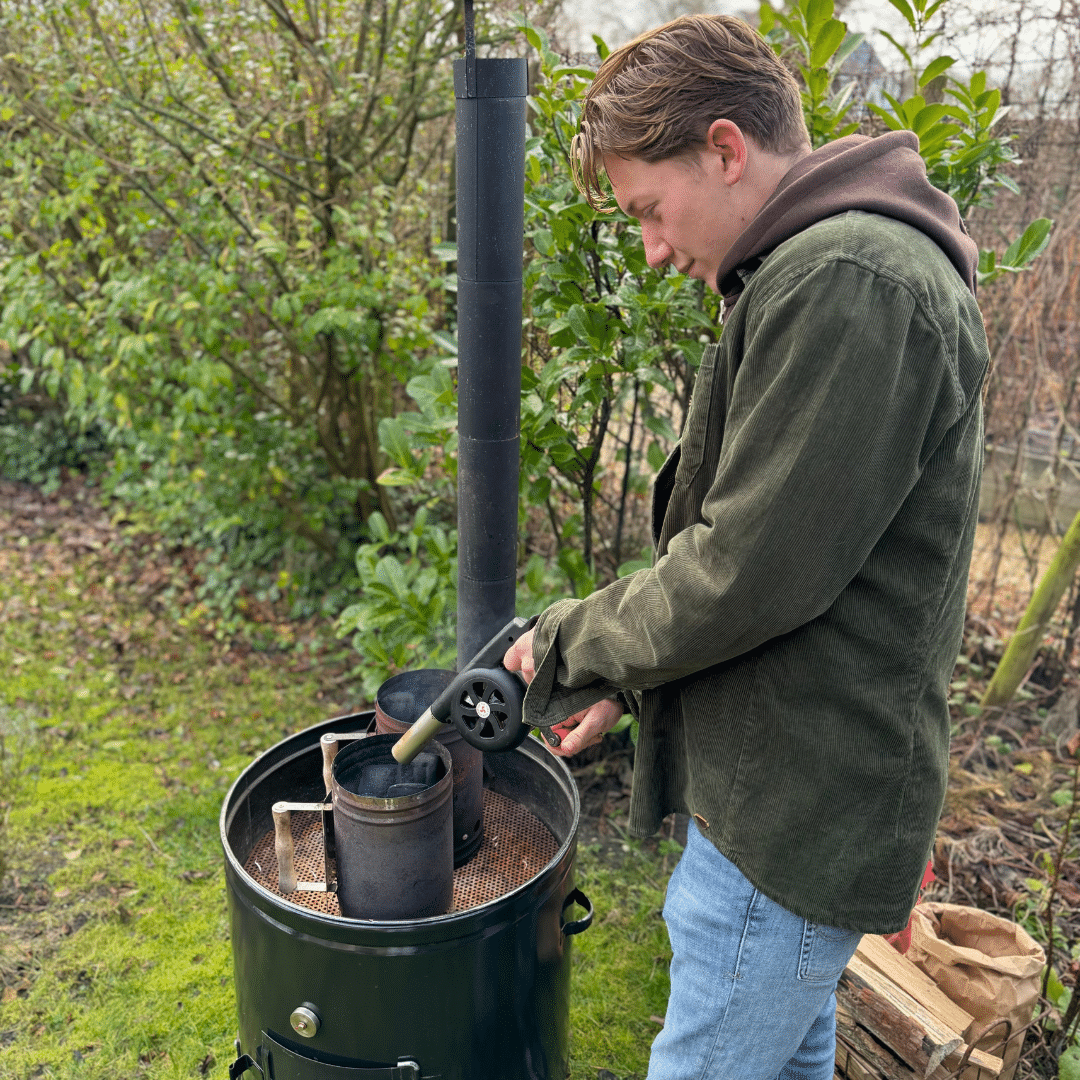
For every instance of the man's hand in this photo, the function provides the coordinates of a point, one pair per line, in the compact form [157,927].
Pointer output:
[587,727]
[519,657]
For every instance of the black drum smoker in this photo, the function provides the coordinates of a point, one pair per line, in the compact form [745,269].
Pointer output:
[401,904]
[479,992]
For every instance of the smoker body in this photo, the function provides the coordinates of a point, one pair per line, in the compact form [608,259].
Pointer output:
[480,994]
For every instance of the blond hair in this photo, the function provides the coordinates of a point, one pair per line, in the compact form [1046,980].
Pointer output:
[656,97]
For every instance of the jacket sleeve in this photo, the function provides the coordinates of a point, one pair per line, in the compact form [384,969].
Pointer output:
[844,389]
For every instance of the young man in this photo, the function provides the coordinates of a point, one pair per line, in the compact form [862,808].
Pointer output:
[788,654]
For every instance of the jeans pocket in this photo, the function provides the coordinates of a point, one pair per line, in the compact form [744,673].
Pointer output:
[825,952]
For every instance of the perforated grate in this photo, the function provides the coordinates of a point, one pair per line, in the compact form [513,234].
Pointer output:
[515,848]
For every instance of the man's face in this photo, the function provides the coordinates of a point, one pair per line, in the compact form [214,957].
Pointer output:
[689,209]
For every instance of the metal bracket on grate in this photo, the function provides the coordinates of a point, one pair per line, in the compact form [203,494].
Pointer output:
[285,849]
[330,747]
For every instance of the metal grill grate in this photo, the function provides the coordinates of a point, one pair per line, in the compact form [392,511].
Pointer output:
[516,847]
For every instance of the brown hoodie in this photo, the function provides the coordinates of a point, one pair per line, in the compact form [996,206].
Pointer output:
[883,176]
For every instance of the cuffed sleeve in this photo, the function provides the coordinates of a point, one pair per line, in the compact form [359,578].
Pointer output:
[547,701]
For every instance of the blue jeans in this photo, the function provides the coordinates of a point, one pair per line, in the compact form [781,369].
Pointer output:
[752,986]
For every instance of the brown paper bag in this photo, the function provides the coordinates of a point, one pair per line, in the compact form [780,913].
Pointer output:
[988,965]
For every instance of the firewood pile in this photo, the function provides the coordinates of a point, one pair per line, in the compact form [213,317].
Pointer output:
[894,1023]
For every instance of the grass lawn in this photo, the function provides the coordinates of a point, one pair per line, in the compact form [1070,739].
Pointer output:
[121,732]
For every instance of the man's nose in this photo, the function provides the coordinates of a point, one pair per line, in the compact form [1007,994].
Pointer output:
[658,252]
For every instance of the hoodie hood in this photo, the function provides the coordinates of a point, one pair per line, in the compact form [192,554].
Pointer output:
[885,175]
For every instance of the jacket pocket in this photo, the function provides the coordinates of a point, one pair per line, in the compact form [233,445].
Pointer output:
[826,951]
[692,443]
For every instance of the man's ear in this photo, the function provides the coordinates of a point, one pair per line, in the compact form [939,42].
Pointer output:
[726,140]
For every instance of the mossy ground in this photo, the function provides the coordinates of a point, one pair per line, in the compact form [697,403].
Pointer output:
[121,732]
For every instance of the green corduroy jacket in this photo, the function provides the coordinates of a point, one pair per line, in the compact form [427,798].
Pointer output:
[788,654]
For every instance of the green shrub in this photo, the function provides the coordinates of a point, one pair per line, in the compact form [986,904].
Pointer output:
[37,440]
[215,251]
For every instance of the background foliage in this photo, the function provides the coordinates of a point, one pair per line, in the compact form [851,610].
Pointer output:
[214,253]
[226,285]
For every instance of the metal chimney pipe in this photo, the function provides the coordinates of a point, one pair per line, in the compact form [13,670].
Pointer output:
[490,124]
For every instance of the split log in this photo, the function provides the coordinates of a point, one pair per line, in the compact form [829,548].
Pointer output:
[876,951]
[896,1034]
[882,1043]
[896,1018]
[912,979]
[876,1062]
